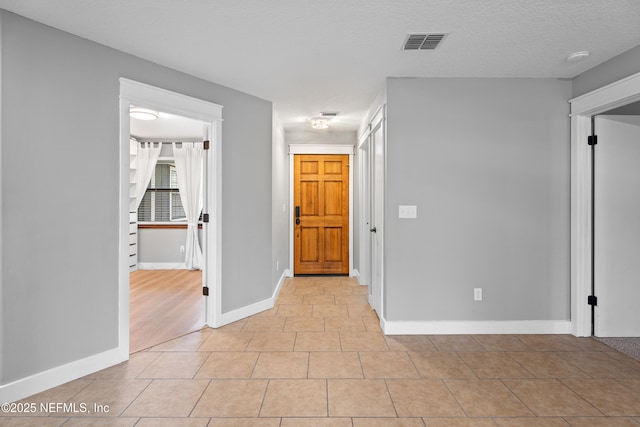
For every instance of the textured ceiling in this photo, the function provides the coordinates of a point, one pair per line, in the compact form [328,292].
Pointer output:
[309,56]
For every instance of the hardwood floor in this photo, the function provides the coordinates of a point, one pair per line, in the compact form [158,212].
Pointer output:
[164,304]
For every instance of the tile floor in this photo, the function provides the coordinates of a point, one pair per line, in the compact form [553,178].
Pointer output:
[318,358]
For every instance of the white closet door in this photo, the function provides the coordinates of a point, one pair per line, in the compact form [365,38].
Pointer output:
[377,246]
[617,226]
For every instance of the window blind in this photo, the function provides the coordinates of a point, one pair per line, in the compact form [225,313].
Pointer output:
[161,202]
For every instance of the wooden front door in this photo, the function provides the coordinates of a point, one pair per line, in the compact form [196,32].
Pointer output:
[321,214]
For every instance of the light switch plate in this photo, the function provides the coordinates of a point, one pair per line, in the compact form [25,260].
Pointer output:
[407,211]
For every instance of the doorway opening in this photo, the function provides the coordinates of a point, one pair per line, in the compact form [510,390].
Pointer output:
[321,206]
[372,152]
[165,299]
[583,226]
[616,222]
[321,244]
[208,117]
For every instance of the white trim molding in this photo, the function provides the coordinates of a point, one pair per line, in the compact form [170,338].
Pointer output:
[255,308]
[170,102]
[322,149]
[162,266]
[616,94]
[45,380]
[140,94]
[583,108]
[476,327]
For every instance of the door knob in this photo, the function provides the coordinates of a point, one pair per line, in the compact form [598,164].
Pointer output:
[373,230]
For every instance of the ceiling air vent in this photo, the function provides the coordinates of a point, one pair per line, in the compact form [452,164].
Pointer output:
[422,41]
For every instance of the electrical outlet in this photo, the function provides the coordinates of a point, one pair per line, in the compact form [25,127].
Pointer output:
[181,249]
[477,294]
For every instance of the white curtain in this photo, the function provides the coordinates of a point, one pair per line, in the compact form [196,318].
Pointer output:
[147,158]
[189,160]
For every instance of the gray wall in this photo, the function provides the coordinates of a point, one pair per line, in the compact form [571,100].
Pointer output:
[321,137]
[487,162]
[162,244]
[626,110]
[280,195]
[619,67]
[60,177]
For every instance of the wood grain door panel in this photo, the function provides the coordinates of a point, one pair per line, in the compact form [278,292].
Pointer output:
[321,190]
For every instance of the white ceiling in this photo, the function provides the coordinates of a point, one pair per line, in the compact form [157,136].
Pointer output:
[309,56]
[168,127]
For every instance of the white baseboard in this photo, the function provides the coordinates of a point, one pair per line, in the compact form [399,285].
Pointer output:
[475,327]
[285,274]
[355,273]
[53,377]
[45,380]
[255,308]
[162,266]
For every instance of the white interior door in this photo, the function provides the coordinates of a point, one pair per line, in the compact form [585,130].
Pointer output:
[617,226]
[377,219]
[365,210]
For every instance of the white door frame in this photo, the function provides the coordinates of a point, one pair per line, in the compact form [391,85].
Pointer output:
[320,149]
[364,202]
[378,120]
[611,96]
[132,92]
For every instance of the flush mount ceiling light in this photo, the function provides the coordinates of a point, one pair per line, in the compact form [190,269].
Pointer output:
[143,113]
[320,122]
[323,121]
[578,56]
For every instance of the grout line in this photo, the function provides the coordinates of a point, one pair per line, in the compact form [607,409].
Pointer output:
[137,397]
[516,395]
[393,403]
[581,397]
[203,363]
[326,385]
[442,380]
[264,396]
[204,390]
[520,364]
[361,367]
[413,364]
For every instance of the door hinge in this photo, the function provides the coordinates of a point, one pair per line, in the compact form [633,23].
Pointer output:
[592,300]
[592,139]
[206,145]
[205,291]
[205,217]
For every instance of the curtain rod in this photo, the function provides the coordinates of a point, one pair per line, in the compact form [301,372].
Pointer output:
[162,142]
[168,142]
